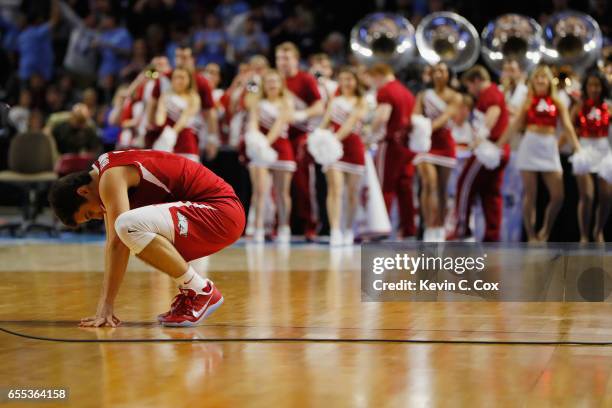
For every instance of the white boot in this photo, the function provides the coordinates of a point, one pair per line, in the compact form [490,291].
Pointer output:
[441,234]
[335,238]
[259,236]
[429,235]
[284,235]
[250,227]
[348,237]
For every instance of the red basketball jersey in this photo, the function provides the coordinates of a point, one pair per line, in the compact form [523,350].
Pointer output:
[166,177]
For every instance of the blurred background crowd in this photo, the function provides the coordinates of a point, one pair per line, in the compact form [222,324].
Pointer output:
[65,67]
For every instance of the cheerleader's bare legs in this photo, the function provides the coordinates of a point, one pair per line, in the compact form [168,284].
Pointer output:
[281,181]
[434,196]
[530,192]
[429,195]
[586,193]
[260,182]
[337,180]
[335,187]
[353,181]
[443,177]
[554,183]
[603,209]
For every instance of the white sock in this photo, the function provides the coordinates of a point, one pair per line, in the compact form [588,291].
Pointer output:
[191,280]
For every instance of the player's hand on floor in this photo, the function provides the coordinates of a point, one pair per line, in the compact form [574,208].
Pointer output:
[103,317]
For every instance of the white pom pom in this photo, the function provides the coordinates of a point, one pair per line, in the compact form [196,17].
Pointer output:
[324,146]
[581,161]
[488,154]
[258,148]
[420,136]
[605,168]
[166,140]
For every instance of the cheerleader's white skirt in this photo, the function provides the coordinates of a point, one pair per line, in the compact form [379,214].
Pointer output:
[538,152]
[598,148]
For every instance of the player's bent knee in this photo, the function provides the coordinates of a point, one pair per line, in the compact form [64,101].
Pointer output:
[133,230]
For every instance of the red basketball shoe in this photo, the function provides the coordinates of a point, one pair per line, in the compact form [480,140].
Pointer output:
[190,308]
[178,298]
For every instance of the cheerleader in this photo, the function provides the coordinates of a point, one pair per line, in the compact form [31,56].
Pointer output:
[344,117]
[592,119]
[538,151]
[439,104]
[269,114]
[176,112]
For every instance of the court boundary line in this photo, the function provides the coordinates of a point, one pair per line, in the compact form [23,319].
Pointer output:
[313,340]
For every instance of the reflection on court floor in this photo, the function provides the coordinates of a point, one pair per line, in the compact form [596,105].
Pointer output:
[294,332]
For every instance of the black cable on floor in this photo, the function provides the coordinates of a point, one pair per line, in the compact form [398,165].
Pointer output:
[316,340]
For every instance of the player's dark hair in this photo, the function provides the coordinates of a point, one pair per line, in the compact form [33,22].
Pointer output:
[64,199]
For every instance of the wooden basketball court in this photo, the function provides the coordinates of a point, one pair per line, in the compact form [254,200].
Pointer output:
[293,332]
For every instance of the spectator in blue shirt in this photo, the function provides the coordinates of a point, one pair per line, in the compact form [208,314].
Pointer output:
[228,9]
[114,45]
[251,41]
[34,45]
[210,43]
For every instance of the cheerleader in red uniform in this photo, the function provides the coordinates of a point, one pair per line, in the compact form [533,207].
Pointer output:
[344,117]
[538,152]
[270,114]
[439,104]
[176,112]
[592,119]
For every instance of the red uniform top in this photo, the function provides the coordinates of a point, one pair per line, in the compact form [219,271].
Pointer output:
[166,178]
[267,115]
[492,96]
[542,112]
[593,119]
[340,111]
[202,87]
[402,103]
[305,90]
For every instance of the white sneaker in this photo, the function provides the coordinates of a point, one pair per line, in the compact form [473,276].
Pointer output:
[335,238]
[348,237]
[259,236]
[284,235]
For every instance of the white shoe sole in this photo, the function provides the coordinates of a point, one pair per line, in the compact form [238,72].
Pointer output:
[187,323]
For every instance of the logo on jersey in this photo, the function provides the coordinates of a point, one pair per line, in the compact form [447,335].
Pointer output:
[103,160]
[594,114]
[182,224]
[543,106]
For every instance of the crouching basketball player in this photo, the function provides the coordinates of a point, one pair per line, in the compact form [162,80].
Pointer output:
[166,209]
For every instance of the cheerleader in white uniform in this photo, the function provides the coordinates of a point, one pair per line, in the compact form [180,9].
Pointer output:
[344,117]
[270,114]
[538,151]
[177,110]
[592,119]
[439,104]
